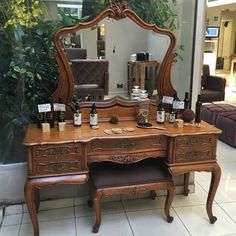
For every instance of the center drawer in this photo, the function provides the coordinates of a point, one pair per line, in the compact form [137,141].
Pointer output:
[126,150]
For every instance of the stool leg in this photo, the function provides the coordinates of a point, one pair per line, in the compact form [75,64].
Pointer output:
[169,199]
[97,205]
[186,182]
[153,194]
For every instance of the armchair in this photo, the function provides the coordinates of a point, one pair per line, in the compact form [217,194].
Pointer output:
[76,53]
[91,77]
[213,87]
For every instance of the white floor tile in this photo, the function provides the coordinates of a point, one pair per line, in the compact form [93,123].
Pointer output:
[226,191]
[230,209]
[144,204]
[107,208]
[12,210]
[1,215]
[197,222]
[153,222]
[225,153]
[199,197]
[206,176]
[9,230]
[51,228]
[229,167]
[54,204]
[12,220]
[111,225]
[48,215]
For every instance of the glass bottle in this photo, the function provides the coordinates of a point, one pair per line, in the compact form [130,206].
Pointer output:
[60,113]
[172,115]
[93,116]
[49,117]
[186,101]
[39,116]
[77,115]
[198,110]
[173,109]
[161,115]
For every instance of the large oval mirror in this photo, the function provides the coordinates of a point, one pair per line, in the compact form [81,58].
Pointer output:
[111,54]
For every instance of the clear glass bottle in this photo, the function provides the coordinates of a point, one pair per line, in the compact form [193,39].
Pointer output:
[161,115]
[93,116]
[77,115]
[198,109]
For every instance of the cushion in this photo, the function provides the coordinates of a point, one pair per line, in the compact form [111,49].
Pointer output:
[108,174]
[210,95]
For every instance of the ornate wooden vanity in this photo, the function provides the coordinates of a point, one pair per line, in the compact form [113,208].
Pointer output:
[63,157]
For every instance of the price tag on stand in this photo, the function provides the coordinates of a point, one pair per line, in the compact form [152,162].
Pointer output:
[44,107]
[178,105]
[59,107]
[167,100]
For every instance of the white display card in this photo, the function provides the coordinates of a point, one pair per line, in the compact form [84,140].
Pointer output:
[44,107]
[59,107]
[167,99]
[178,104]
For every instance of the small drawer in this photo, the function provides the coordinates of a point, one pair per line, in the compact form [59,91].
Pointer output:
[194,141]
[193,154]
[52,151]
[62,166]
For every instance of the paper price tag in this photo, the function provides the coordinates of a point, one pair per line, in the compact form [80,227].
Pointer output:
[44,107]
[178,104]
[59,107]
[167,99]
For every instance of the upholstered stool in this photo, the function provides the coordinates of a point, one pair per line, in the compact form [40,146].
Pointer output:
[223,116]
[107,179]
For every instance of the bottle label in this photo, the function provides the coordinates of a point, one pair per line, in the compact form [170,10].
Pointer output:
[77,119]
[93,119]
[160,116]
[172,117]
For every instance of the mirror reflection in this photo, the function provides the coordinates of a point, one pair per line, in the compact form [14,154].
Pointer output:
[112,57]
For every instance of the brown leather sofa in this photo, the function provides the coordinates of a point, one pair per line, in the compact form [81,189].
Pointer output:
[91,77]
[213,87]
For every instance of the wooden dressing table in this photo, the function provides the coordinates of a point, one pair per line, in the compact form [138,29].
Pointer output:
[62,157]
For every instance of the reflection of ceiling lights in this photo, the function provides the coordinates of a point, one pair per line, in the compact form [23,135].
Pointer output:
[220,3]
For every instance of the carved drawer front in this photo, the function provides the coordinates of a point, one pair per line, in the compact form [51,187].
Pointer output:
[57,159]
[127,150]
[195,141]
[194,148]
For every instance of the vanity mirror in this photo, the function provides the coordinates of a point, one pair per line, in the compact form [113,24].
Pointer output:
[110,54]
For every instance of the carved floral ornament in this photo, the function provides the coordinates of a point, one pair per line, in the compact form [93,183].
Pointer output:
[118,7]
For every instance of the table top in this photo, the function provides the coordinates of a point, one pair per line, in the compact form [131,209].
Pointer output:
[35,136]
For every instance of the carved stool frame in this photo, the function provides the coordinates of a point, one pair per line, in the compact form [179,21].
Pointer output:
[97,195]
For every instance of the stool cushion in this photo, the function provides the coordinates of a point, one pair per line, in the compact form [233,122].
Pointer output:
[108,174]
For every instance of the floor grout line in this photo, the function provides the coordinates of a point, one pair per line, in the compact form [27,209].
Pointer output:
[75,217]
[127,218]
[181,221]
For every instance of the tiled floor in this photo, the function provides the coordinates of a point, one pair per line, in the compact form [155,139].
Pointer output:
[139,217]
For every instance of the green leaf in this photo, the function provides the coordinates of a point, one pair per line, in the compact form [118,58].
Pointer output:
[29,74]
[22,70]
[16,68]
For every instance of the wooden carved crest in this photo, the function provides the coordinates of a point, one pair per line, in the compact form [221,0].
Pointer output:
[118,7]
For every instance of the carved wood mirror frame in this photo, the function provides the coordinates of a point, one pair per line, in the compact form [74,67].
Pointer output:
[117,10]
